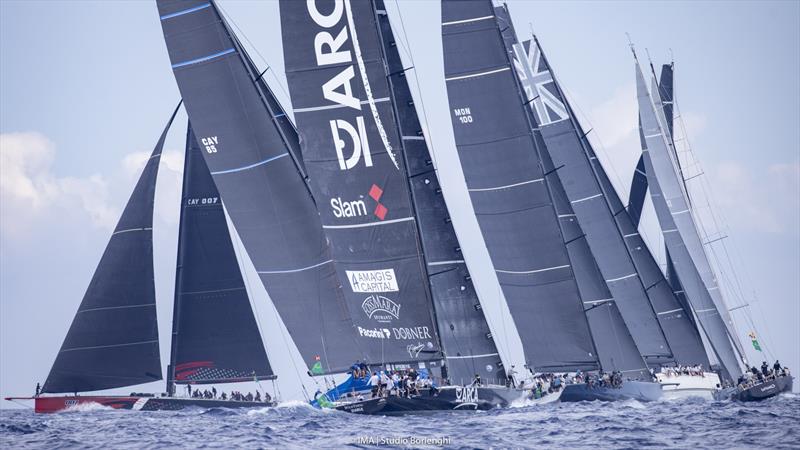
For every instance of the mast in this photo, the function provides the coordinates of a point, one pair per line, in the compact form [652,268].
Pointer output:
[512,201]
[113,339]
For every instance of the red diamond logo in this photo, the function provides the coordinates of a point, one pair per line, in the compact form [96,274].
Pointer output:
[381,211]
[375,192]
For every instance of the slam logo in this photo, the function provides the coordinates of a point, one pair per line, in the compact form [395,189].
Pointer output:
[380,308]
[358,208]
[329,49]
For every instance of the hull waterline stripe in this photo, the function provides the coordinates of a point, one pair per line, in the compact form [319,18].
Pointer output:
[295,270]
[239,169]
[109,346]
[506,186]
[204,58]
[455,22]
[621,278]
[132,229]
[336,106]
[370,224]
[486,355]
[144,305]
[461,77]
[444,263]
[586,198]
[670,311]
[185,11]
[532,271]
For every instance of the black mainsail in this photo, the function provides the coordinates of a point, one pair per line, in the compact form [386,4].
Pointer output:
[566,144]
[581,167]
[113,339]
[248,149]
[215,337]
[616,348]
[357,171]
[512,202]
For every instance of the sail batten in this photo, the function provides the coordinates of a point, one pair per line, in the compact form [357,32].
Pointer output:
[113,339]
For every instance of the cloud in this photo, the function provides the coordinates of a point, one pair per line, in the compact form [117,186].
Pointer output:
[758,199]
[33,197]
[29,191]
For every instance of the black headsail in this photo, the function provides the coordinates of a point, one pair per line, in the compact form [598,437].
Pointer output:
[616,348]
[357,171]
[467,342]
[248,150]
[567,145]
[512,202]
[113,339]
[215,338]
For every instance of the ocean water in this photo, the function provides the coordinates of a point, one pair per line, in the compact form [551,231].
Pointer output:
[690,423]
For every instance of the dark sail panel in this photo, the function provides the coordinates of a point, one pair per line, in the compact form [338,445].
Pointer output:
[466,340]
[566,146]
[264,193]
[113,339]
[506,185]
[356,167]
[215,338]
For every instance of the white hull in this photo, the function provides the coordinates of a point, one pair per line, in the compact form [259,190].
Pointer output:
[684,386]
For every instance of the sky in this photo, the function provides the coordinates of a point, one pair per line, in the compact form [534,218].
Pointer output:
[86,88]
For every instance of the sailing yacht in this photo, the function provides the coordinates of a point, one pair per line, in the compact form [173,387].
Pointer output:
[113,340]
[383,210]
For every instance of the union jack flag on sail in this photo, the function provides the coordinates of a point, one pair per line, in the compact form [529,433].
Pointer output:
[540,88]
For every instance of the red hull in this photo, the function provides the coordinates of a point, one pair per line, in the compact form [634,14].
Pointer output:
[55,404]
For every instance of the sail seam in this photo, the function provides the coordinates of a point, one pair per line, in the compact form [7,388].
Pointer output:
[108,346]
[506,186]
[680,212]
[456,22]
[185,11]
[322,108]
[513,272]
[670,311]
[116,307]
[472,75]
[295,270]
[586,198]
[593,302]
[630,235]
[413,138]
[132,229]
[260,163]
[204,58]
[370,224]
[212,291]
[621,278]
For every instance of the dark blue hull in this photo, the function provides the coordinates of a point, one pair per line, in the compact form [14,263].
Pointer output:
[629,390]
[761,391]
[449,398]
